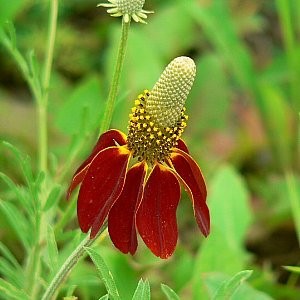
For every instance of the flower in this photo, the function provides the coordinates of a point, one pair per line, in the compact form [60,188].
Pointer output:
[128,9]
[134,180]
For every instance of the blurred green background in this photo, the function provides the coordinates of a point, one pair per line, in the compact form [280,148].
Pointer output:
[243,131]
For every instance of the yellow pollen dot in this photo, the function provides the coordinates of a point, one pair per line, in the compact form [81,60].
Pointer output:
[137,102]
[168,129]
[149,129]
[130,116]
[142,117]
[151,124]
[175,128]
[151,136]
[174,136]
[142,110]
[144,125]
[159,133]
[147,117]
[133,109]
[157,142]
[155,128]
[186,117]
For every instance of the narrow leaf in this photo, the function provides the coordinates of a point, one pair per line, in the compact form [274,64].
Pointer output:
[11,274]
[228,287]
[11,291]
[105,297]
[52,249]
[24,161]
[9,256]
[105,273]
[53,198]
[16,221]
[171,295]
[142,291]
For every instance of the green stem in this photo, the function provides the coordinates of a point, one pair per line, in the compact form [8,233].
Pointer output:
[116,78]
[43,104]
[42,95]
[68,265]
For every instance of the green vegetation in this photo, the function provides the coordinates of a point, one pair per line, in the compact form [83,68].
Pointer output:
[243,131]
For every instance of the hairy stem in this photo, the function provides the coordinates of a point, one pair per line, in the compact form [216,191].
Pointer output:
[116,78]
[68,265]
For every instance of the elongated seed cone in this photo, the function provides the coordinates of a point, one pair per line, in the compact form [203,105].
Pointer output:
[170,92]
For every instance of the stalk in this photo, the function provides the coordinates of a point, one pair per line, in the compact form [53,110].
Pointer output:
[116,78]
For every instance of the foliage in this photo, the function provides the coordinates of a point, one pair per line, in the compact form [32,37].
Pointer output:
[243,130]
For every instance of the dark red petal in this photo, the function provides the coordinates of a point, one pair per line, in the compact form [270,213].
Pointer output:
[101,187]
[121,218]
[193,181]
[156,216]
[107,139]
[182,146]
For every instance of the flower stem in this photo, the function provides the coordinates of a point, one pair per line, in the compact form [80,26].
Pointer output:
[116,78]
[68,266]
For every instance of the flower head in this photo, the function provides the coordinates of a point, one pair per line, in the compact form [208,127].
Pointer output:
[128,9]
[134,180]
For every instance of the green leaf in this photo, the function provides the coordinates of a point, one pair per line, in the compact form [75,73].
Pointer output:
[24,162]
[9,256]
[142,291]
[52,250]
[229,204]
[171,295]
[228,287]
[15,277]
[214,281]
[17,222]
[14,188]
[104,272]
[105,297]
[231,216]
[82,110]
[53,197]
[11,291]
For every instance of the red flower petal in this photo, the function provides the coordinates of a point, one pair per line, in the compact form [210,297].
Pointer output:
[107,139]
[121,218]
[193,181]
[101,187]
[156,216]
[182,146]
